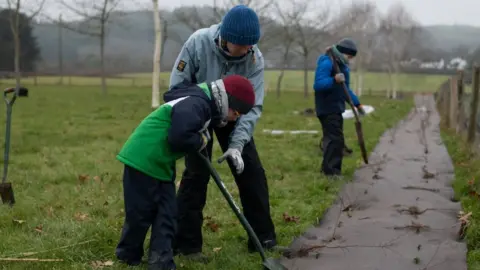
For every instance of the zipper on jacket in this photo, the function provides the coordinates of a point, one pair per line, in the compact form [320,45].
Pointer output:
[224,70]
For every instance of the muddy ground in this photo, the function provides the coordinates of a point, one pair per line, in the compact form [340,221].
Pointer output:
[398,213]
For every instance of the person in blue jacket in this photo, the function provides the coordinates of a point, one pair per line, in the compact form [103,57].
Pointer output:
[209,54]
[330,101]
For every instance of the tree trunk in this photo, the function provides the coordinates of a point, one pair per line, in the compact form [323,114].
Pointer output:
[156,57]
[17,59]
[14,26]
[60,50]
[396,71]
[390,80]
[164,25]
[360,82]
[285,63]
[102,56]
[305,76]
[279,81]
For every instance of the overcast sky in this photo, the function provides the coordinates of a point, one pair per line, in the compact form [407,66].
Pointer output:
[427,12]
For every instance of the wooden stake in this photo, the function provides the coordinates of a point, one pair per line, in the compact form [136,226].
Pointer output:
[472,127]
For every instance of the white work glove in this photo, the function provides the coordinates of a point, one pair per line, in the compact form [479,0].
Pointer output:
[205,138]
[236,157]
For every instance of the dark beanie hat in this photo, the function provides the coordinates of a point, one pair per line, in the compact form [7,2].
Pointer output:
[240,26]
[241,96]
[347,46]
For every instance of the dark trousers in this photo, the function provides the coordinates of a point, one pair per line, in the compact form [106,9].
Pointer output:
[333,143]
[148,202]
[252,186]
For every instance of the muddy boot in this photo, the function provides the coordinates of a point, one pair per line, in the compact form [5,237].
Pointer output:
[197,257]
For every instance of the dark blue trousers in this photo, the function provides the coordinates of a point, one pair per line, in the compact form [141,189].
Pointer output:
[148,202]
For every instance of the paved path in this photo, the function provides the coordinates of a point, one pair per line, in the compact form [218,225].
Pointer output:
[397,214]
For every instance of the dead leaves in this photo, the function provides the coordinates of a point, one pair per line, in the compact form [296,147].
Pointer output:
[84,178]
[18,221]
[472,186]
[80,216]
[21,222]
[464,222]
[287,218]
[100,264]
[211,224]
[39,228]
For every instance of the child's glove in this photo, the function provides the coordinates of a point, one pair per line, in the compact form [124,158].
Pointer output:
[236,157]
[205,138]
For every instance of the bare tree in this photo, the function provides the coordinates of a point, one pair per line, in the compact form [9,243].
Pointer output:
[312,34]
[156,56]
[200,17]
[16,7]
[95,15]
[360,21]
[398,30]
[287,37]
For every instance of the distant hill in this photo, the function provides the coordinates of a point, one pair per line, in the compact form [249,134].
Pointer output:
[130,41]
[449,37]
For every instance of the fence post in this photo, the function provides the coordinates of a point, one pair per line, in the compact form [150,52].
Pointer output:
[453,102]
[474,105]
[460,108]
[446,104]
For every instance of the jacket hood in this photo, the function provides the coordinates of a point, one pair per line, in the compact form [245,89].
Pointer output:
[215,94]
[184,89]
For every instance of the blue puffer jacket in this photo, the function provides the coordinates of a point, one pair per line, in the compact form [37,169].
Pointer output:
[330,97]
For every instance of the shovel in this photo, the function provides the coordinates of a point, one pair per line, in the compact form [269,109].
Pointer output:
[358,124]
[268,263]
[6,190]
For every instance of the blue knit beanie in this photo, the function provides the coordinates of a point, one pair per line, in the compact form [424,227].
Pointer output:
[240,26]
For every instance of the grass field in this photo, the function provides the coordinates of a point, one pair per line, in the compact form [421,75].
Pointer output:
[293,81]
[68,183]
[467,190]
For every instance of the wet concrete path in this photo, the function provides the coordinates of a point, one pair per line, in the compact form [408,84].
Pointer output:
[398,212]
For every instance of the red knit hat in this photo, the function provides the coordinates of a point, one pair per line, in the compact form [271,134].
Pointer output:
[241,96]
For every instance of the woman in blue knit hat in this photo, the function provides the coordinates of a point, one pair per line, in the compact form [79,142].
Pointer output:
[209,54]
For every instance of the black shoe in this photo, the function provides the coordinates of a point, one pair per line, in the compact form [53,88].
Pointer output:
[267,245]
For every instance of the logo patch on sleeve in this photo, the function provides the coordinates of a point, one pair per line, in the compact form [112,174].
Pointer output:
[181,65]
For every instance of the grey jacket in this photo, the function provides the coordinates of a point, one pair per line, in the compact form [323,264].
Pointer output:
[201,60]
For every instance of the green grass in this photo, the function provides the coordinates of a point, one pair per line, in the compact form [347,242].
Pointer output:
[293,81]
[466,186]
[60,134]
